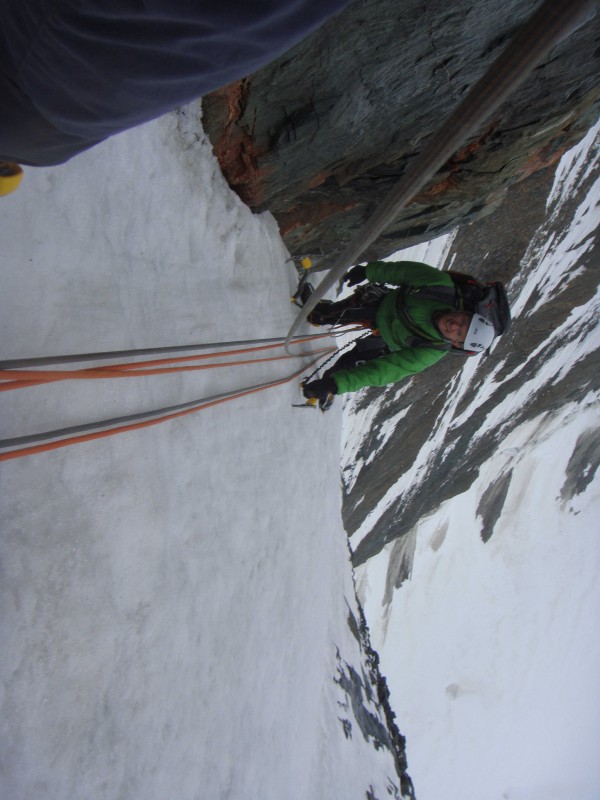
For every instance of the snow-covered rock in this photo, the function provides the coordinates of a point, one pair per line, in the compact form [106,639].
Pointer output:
[478,516]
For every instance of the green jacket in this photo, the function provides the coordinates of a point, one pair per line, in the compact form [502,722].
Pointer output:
[403,359]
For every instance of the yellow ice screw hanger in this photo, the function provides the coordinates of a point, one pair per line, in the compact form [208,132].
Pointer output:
[10,177]
[306,263]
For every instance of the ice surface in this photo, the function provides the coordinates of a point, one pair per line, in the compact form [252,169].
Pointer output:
[172,599]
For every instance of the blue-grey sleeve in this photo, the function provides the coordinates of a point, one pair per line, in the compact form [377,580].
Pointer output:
[95,67]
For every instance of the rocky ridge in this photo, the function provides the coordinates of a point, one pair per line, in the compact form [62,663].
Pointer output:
[528,228]
[366,691]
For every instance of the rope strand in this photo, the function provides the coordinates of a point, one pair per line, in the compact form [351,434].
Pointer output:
[131,422]
[29,378]
[218,347]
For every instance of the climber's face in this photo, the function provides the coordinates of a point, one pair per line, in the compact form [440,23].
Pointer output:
[453,325]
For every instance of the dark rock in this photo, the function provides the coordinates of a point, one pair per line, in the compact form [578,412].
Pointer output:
[491,504]
[380,728]
[491,247]
[320,135]
[583,465]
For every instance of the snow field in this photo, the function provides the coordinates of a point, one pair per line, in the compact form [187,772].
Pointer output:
[490,649]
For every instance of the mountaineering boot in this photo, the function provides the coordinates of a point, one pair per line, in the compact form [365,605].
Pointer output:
[326,402]
[319,394]
[302,293]
[10,177]
[305,289]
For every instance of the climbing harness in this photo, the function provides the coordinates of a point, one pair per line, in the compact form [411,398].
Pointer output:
[336,354]
[369,295]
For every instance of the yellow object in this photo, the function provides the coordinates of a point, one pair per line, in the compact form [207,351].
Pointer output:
[10,177]
[306,262]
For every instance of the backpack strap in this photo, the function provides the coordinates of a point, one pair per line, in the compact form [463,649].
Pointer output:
[449,295]
[419,337]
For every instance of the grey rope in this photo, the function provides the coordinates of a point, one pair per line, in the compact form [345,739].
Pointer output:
[155,415]
[43,361]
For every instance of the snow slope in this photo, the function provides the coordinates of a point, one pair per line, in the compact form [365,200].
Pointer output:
[491,648]
[172,599]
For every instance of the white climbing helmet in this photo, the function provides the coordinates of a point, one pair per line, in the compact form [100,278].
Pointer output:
[480,335]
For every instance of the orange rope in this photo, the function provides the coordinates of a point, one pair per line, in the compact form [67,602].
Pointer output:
[28,378]
[36,377]
[42,448]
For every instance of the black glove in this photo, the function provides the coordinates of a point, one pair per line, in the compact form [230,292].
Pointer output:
[319,389]
[355,275]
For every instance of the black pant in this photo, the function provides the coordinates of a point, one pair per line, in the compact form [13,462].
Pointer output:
[364,350]
[359,308]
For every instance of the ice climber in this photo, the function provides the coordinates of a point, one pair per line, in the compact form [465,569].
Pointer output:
[417,315]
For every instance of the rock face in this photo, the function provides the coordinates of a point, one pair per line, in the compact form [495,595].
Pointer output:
[368,698]
[320,135]
[449,426]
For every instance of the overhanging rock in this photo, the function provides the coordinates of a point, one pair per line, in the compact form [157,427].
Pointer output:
[319,136]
